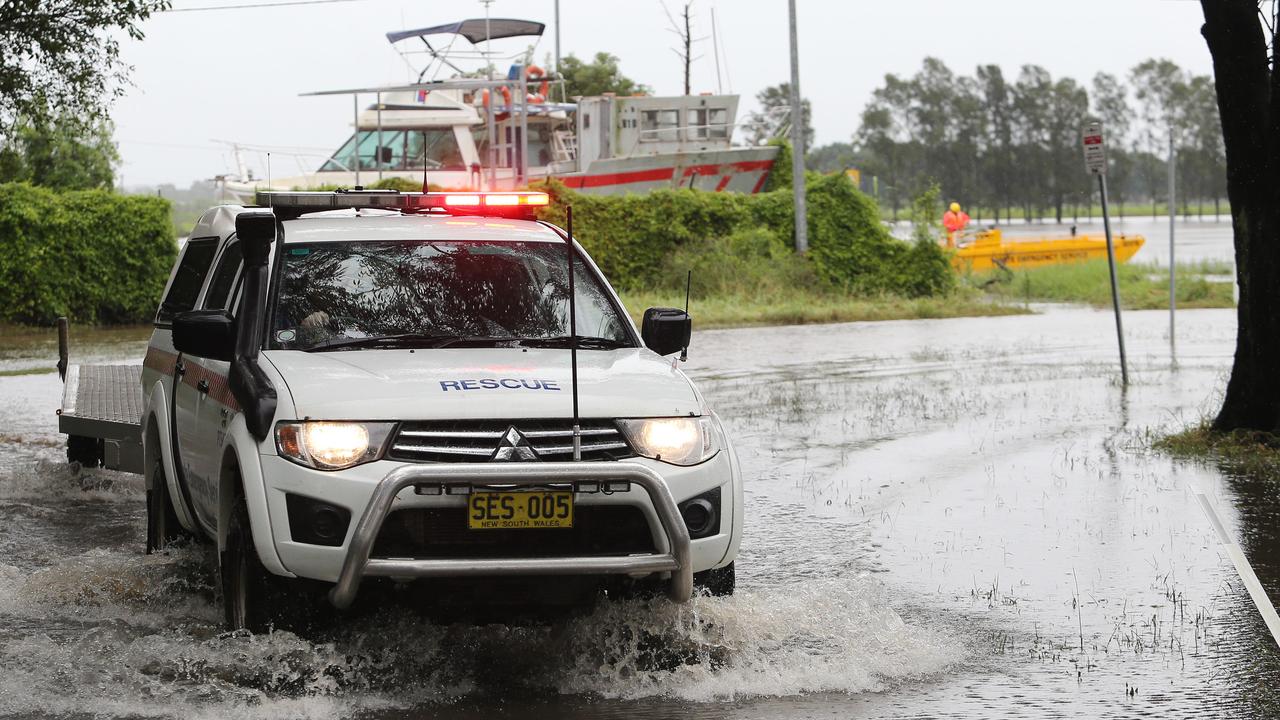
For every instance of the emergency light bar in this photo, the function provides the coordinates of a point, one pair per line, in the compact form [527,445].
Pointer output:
[289,205]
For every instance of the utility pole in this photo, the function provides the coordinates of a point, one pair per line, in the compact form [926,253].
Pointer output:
[557,38]
[797,140]
[1173,282]
[488,56]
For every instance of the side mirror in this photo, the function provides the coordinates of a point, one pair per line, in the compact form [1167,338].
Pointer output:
[666,330]
[205,333]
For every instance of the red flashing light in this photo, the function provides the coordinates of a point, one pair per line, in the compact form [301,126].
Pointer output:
[505,199]
[521,205]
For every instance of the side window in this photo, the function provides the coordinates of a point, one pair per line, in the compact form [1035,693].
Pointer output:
[219,295]
[195,262]
[659,125]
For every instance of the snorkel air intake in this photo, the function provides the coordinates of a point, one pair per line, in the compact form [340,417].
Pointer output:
[249,384]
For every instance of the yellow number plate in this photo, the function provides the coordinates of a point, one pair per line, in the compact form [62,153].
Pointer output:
[518,510]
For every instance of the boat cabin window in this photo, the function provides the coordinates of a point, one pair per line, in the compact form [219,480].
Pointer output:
[431,149]
[708,124]
[659,125]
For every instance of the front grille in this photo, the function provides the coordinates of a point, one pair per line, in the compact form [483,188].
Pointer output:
[479,440]
[429,533]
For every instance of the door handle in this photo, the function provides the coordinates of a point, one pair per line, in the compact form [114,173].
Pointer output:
[203,386]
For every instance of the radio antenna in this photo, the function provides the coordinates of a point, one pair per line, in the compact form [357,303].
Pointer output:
[688,282]
[573,340]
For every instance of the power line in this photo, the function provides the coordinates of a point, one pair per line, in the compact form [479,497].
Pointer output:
[247,6]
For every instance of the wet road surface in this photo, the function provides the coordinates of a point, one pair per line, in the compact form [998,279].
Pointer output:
[956,517]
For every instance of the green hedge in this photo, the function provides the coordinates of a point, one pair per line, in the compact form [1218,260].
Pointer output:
[632,237]
[92,255]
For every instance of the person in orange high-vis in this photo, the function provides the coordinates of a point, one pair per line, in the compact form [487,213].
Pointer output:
[954,220]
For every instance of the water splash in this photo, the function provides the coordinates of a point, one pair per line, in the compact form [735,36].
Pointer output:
[132,635]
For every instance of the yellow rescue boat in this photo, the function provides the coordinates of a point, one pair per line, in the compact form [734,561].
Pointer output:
[988,249]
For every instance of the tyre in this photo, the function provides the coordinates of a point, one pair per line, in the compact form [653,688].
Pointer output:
[717,582]
[253,599]
[84,450]
[162,520]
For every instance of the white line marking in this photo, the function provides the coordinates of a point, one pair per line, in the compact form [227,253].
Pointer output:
[1243,568]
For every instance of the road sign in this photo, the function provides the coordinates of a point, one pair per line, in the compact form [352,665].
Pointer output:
[1095,150]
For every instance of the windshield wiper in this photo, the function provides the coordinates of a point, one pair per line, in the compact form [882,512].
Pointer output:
[405,340]
[584,342]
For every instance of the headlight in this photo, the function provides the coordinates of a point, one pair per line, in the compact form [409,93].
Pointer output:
[331,445]
[679,441]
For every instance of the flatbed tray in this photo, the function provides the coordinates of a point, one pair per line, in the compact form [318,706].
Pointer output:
[105,402]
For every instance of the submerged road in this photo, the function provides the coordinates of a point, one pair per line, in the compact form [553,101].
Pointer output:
[957,517]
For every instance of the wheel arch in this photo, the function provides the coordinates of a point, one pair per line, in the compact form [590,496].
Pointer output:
[156,439]
[240,476]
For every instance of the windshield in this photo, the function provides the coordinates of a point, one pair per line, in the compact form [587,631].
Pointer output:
[430,149]
[430,294]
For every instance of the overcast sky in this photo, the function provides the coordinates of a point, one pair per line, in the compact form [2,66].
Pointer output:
[235,75]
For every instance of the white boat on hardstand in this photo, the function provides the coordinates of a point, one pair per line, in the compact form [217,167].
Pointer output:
[483,134]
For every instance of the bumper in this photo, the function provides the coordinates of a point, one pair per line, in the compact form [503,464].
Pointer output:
[675,558]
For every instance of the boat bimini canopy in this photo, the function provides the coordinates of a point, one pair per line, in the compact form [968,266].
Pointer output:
[475,31]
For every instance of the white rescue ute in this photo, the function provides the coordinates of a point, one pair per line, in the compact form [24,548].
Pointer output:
[373,387]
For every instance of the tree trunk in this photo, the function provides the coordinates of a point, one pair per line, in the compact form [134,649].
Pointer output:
[688,49]
[1249,104]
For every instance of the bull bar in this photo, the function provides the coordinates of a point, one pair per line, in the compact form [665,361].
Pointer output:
[357,565]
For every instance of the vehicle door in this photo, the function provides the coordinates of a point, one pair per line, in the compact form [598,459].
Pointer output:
[182,295]
[207,392]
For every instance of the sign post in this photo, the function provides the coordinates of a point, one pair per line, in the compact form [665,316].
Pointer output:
[1095,159]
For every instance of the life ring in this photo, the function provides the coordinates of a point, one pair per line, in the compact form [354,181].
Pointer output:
[506,96]
[533,72]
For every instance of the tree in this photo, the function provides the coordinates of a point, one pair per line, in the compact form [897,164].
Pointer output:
[998,165]
[773,119]
[598,77]
[682,26]
[1068,105]
[1032,98]
[832,157]
[1160,87]
[60,54]
[1201,158]
[65,152]
[1248,91]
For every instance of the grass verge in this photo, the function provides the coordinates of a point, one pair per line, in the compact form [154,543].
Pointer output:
[1256,454]
[801,307]
[1143,286]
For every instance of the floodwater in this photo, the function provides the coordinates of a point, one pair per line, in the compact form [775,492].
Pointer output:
[954,517]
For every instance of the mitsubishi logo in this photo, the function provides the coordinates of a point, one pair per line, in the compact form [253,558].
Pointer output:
[514,447]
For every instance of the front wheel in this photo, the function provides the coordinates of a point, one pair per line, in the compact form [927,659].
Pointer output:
[717,582]
[253,599]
